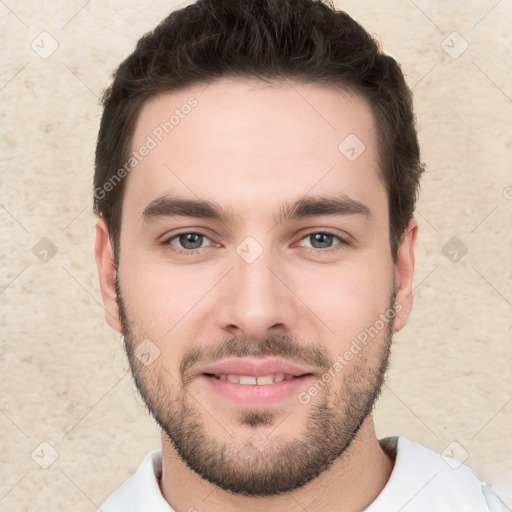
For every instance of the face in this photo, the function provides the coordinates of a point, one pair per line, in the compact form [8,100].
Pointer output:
[256,290]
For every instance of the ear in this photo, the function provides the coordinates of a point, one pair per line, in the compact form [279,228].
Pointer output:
[404,270]
[107,274]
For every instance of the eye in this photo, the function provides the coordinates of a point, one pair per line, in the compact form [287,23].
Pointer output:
[322,240]
[187,242]
[191,242]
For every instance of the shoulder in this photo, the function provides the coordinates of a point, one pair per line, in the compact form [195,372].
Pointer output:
[423,480]
[141,491]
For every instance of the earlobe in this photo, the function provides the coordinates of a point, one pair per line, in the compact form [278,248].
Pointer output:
[404,271]
[107,274]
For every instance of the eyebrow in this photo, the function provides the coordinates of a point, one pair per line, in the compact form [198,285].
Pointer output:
[305,207]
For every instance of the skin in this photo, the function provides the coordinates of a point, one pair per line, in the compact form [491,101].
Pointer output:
[250,147]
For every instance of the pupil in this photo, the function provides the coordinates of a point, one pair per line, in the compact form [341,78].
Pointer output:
[322,238]
[193,239]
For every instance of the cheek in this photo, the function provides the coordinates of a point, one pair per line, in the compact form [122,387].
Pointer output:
[335,300]
[159,296]
[350,299]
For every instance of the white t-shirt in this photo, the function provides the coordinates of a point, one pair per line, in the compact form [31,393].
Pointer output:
[421,481]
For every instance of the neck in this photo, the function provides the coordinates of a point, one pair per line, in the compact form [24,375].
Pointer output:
[352,482]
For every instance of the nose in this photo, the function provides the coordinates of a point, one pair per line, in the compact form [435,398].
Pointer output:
[255,300]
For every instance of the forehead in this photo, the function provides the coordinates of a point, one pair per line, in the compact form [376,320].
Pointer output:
[248,142]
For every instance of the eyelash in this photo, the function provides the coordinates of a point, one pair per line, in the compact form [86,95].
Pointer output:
[167,242]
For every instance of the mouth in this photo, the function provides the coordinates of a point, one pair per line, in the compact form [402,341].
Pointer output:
[250,370]
[248,382]
[251,380]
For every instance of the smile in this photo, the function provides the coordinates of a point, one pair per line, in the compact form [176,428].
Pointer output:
[251,380]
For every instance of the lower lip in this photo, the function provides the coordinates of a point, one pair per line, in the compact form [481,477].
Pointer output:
[254,395]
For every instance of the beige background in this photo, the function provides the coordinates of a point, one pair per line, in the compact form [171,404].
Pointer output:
[64,377]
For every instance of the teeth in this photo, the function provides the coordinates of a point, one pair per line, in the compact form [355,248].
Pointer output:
[279,377]
[267,379]
[250,380]
[247,380]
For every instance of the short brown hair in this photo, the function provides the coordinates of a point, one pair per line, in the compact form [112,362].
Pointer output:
[305,40]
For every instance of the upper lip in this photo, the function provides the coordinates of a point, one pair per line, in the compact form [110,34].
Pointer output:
[255,367]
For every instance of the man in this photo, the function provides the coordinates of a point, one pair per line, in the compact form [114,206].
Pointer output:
[256,174]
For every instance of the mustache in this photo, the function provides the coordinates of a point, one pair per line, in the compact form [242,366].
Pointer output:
[283,346]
